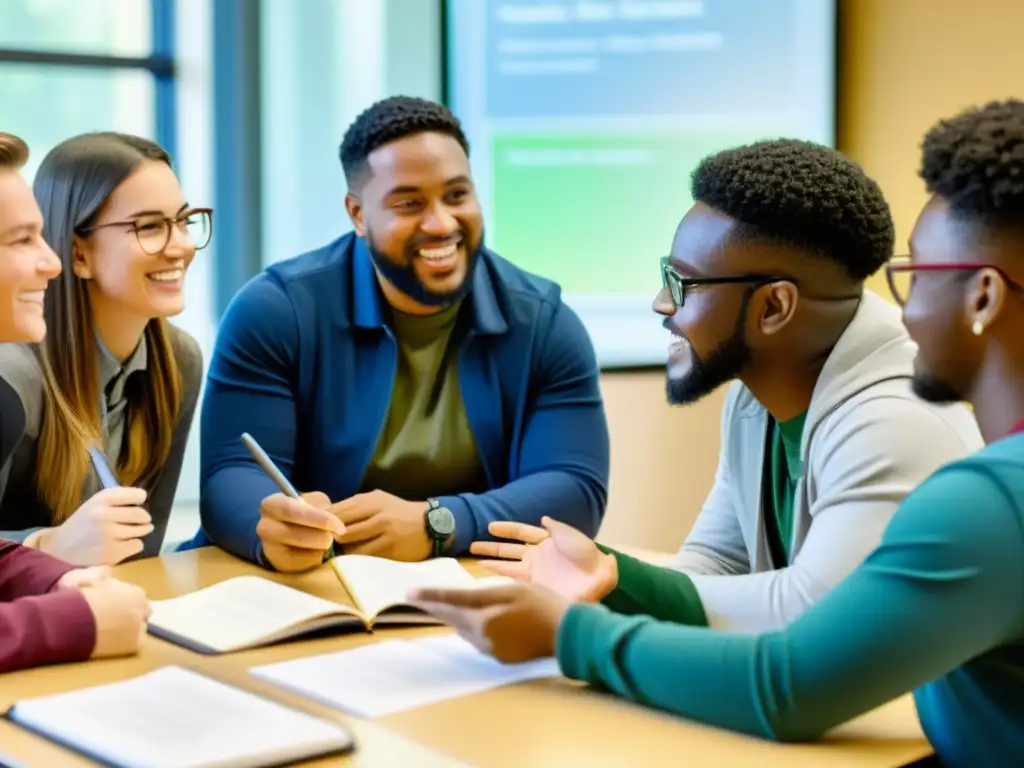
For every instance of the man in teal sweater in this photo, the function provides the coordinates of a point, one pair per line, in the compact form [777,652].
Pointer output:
[937,608]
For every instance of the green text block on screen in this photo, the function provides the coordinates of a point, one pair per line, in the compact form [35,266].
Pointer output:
[586,119]
[594,213]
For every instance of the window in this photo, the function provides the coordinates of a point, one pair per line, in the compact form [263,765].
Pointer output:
[45,104]
[109,27]
[322,62]
[71,66]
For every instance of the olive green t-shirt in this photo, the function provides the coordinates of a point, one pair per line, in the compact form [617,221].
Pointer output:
[426,447]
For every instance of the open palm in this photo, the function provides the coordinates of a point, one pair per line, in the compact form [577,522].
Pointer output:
[555,556]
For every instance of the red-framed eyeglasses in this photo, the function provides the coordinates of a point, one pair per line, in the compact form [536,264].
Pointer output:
[900,274]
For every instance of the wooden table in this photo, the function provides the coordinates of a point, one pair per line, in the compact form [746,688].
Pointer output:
[540,723]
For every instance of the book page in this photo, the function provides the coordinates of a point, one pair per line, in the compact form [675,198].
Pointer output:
[176,717]
[8,762]
[240,612]
[395,675]
[376,583]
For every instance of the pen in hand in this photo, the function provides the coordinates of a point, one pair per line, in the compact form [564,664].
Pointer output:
[269,466]
[275,474]
[100,464]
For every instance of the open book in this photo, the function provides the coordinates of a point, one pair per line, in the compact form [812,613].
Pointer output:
[177,717]
[251,611]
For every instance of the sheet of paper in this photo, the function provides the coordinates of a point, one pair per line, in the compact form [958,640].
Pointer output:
[9,762]
[176,717]
[376,582]
[395,675]
[238,611]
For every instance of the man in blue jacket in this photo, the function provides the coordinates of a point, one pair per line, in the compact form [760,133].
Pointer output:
[414,384]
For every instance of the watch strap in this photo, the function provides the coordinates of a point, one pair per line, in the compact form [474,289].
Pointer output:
[438,541]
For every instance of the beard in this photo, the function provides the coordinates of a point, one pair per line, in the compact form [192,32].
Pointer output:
[404,278]
[723,364]
[932,389]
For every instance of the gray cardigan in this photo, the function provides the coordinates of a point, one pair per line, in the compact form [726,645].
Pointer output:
[21,510]
[868,441]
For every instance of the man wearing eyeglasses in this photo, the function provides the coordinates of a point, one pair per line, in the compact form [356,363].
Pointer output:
[822,435]
[938,607]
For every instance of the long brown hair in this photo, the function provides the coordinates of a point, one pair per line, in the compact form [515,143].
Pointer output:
[72,185]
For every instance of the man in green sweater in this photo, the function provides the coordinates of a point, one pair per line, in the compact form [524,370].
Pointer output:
[937,608]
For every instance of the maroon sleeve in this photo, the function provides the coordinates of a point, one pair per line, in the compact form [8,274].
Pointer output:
[46,629]
[25,571]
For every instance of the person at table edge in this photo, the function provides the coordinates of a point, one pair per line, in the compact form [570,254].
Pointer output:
[822,436]
[50,611]
[938,607]
[402,366]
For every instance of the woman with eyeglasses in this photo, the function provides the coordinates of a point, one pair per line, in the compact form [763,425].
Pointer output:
[112,373]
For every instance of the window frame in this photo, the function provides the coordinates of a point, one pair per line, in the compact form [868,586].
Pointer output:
[160,64]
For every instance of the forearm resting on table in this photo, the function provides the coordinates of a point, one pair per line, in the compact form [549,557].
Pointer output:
[936,567]
[46,629]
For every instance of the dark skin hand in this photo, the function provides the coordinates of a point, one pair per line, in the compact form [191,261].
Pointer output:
[296,532]
[379,524]
[556,556]
[513,623]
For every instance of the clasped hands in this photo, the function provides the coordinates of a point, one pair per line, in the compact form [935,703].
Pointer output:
[555,563]
[297,532]
[557,566]
[119,610]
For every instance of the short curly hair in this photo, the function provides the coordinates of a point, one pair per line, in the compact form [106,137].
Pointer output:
[391,119]
[975,161]
[803,195]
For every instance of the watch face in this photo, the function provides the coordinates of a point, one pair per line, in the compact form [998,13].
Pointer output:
[442,521]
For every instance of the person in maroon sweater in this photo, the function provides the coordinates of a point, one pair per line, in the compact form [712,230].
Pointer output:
[50,612]
[44,616]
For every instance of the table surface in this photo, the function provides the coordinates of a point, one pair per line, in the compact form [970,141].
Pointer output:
[547,722]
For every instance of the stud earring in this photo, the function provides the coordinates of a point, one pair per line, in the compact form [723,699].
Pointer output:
[977,329]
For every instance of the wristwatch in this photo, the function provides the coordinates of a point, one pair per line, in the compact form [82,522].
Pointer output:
[440,525]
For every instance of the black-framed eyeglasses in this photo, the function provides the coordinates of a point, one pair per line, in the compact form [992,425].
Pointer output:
[899,273]
[154,232]
[678,284]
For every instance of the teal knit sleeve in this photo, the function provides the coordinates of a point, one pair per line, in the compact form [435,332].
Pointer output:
[945,586]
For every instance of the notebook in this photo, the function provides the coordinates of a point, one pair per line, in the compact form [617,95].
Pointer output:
[177,717]
[395,675]
[252,611]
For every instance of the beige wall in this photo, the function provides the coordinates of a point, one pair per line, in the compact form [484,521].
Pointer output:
[907,64]
[904,64]
[663,461]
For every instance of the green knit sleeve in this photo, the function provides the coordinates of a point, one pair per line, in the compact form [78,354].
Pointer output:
[655,591]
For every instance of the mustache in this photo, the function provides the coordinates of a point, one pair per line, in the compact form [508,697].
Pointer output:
[667,325]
